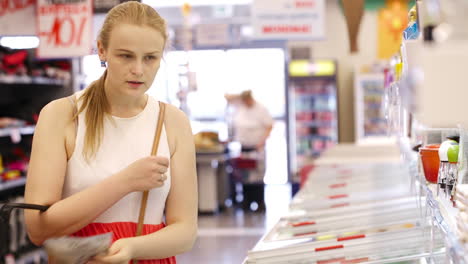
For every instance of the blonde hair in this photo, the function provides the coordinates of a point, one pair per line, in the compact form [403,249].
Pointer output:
[94,99]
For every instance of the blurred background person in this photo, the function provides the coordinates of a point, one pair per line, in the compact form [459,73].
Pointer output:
[251,126]
[252,123]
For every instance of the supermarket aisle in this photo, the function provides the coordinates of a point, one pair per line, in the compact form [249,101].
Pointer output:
[226,237]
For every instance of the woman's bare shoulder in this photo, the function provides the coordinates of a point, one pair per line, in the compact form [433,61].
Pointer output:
[178,127]
[59,111]
[174,115]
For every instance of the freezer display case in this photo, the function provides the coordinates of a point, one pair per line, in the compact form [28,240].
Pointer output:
[363,211]
[312,108]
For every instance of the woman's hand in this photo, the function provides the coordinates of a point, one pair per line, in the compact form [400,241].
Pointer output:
[121,252]
[145,174]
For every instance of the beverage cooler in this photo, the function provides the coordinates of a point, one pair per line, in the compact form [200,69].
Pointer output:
[369,100]
[312,110]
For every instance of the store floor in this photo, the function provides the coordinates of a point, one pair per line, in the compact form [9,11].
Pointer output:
[227,236]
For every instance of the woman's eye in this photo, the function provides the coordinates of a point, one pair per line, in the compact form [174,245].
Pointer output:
[151,57]
[125,56]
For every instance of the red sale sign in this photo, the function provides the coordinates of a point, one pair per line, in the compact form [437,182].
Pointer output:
[64,28]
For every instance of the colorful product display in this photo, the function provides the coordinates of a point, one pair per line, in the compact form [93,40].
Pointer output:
[28,84]
[374,124]
[313,109]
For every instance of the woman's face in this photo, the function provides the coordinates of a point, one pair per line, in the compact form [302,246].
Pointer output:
[133,58]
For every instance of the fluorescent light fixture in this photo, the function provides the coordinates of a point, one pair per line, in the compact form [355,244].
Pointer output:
[175,3]
[20,42]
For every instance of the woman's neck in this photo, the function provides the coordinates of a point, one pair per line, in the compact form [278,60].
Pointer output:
[125,106]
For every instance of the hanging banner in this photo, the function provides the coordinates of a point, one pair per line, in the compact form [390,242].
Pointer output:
[16,18]
[391,22]
[64,28]
[289,19]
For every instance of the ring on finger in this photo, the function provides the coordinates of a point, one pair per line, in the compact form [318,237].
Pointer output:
[162,177]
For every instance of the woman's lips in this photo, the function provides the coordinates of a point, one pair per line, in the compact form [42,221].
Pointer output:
[135,84]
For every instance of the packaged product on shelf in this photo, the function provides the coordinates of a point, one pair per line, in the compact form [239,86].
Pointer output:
[412,31]
[13,62]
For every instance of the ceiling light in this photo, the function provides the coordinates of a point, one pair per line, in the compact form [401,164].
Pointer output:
[20,42]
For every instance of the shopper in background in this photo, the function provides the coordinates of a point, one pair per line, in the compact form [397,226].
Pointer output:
[252,122]
[252,125]
[91,167]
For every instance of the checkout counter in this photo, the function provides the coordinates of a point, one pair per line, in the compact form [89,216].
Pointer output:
[213,180]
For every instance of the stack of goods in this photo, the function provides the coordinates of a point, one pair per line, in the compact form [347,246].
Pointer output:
[14,165]
[208,142]
[22,63]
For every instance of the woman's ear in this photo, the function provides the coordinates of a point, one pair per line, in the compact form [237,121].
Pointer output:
[101,51]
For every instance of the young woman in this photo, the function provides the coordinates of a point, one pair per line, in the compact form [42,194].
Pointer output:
[91,160]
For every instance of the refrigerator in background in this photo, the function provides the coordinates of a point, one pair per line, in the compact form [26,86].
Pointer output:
[312,110]
[369,117]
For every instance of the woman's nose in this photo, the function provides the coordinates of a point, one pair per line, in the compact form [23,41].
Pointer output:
[137,68]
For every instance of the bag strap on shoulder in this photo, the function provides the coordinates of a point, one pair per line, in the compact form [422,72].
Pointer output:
[157,137]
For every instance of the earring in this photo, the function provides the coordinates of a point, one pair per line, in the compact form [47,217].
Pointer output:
[103,63]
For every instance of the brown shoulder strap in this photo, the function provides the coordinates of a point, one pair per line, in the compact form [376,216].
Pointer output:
[157,136]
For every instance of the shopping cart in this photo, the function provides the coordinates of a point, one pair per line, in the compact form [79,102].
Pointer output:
[246,177]
[5,234]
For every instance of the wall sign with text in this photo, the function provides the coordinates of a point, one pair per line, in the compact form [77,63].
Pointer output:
[64,28]
[288,19]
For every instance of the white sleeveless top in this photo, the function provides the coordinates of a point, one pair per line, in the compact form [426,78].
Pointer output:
[124,141]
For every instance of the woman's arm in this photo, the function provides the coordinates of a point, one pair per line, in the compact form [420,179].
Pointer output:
[181,206]
[46,175]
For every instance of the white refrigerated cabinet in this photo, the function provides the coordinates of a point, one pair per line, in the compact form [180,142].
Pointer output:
[358,205]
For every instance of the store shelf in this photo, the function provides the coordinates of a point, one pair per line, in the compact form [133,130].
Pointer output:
[28,80]
[26,130]
[309,110]
[444,216]
[310,95]
[316,137]
[310,153]
[316,123]
[315,78]
[12,184]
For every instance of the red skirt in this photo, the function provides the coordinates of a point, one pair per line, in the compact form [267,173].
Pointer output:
[123,230]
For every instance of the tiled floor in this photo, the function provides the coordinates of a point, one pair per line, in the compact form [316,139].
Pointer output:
[226,237]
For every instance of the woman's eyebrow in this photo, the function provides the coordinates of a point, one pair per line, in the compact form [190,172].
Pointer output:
[151,52]
[124,50]
[154,52]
